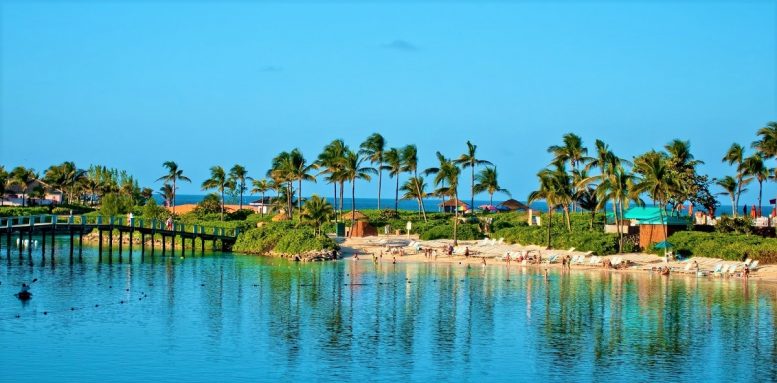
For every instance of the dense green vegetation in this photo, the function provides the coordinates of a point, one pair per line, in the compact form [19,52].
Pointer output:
[734,247]
[514,228]
[282,238]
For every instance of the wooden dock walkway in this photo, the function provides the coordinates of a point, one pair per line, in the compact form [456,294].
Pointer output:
[52,225]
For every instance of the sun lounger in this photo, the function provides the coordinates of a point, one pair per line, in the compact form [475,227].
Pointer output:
[552,258]
[747,261]
[616,261]
[594,260]
[754,265]
[718,268]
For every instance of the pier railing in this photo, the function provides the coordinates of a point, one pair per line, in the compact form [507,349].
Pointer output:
[114,221]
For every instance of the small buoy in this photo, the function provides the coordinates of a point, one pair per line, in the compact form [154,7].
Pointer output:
[202,284]
[96,305]
[45,313]
[72,309]
[122,302]
[126,290]
[110,287]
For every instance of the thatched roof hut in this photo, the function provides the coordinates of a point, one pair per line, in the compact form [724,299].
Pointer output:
[512,204]
[357,215]
[449,206]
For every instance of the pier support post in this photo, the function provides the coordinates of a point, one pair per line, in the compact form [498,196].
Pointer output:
[99,244]
[71,244]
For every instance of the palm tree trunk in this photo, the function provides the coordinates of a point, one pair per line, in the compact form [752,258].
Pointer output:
[456,223]
[472,186]
[665,225]
[396,195]
[760,194]
[262,204]
[241,197]
[619,213]
[222,203]
[299,197]
[550,219]
[490,200]
[289,205]
[418,189]
[353,205]
[380,181]
[334,199]
[174,196]
[341,196]
[566,216]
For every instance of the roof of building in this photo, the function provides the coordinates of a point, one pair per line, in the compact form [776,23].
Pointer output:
[453,202]
[514,205]
[653,216]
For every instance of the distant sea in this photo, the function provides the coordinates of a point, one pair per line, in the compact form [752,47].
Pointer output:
[430,204]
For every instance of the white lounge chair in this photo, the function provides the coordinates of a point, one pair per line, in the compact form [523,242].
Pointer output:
[754,265]
[718,268]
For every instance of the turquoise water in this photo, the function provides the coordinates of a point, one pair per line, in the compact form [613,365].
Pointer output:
[224,317]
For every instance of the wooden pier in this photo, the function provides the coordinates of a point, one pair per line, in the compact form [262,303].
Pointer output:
[22,230]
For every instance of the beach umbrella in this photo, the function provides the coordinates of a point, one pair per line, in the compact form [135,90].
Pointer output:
[663,245]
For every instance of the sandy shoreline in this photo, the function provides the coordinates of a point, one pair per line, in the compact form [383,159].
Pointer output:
[366,247]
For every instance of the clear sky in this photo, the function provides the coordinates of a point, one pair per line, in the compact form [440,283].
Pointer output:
[133,84]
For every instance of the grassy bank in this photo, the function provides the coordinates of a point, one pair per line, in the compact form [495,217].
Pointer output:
[733,247]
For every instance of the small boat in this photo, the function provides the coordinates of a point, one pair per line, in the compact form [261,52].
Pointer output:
[24,295]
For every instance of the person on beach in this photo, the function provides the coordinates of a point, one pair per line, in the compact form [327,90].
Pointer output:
[169,223]
[545,274]
[564,262]
[746,272]
[466,252]
[484,261]
[394,261]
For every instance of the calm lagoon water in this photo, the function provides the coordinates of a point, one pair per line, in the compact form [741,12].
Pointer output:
[223,317]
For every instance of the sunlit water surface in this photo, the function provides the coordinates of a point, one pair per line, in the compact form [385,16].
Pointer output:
[222,317]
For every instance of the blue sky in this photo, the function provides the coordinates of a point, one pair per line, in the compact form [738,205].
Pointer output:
[131,85]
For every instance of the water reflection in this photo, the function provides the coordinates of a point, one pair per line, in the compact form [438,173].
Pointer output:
[226,315]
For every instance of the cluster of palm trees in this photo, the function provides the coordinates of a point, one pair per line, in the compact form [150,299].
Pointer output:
[750,168]
[86,186]
[592,183]
[339,164]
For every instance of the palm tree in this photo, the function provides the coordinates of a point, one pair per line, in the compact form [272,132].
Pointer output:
[735,156]
[550,190]
[730,187]
[280,173]
[330,160]
[655,181]
[3,184]
[410,165]
[166,191]
[470,160]
[23,178]
[218,180]
[238,176]
[173,176]
[393,159]
[452,173]
[300,171]
[352,171]
[572,151]
[618,187]
[65,176]
[317,210]
[415,188]
[588,200]
[374,149]
[487,181]
[441,174]
[755,167]
[261,186]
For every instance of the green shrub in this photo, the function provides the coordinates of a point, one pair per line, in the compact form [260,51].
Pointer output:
[734,247]
[113,204]
[211,204]
[15,211]
[465,232]
[282,237]
[153,211]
